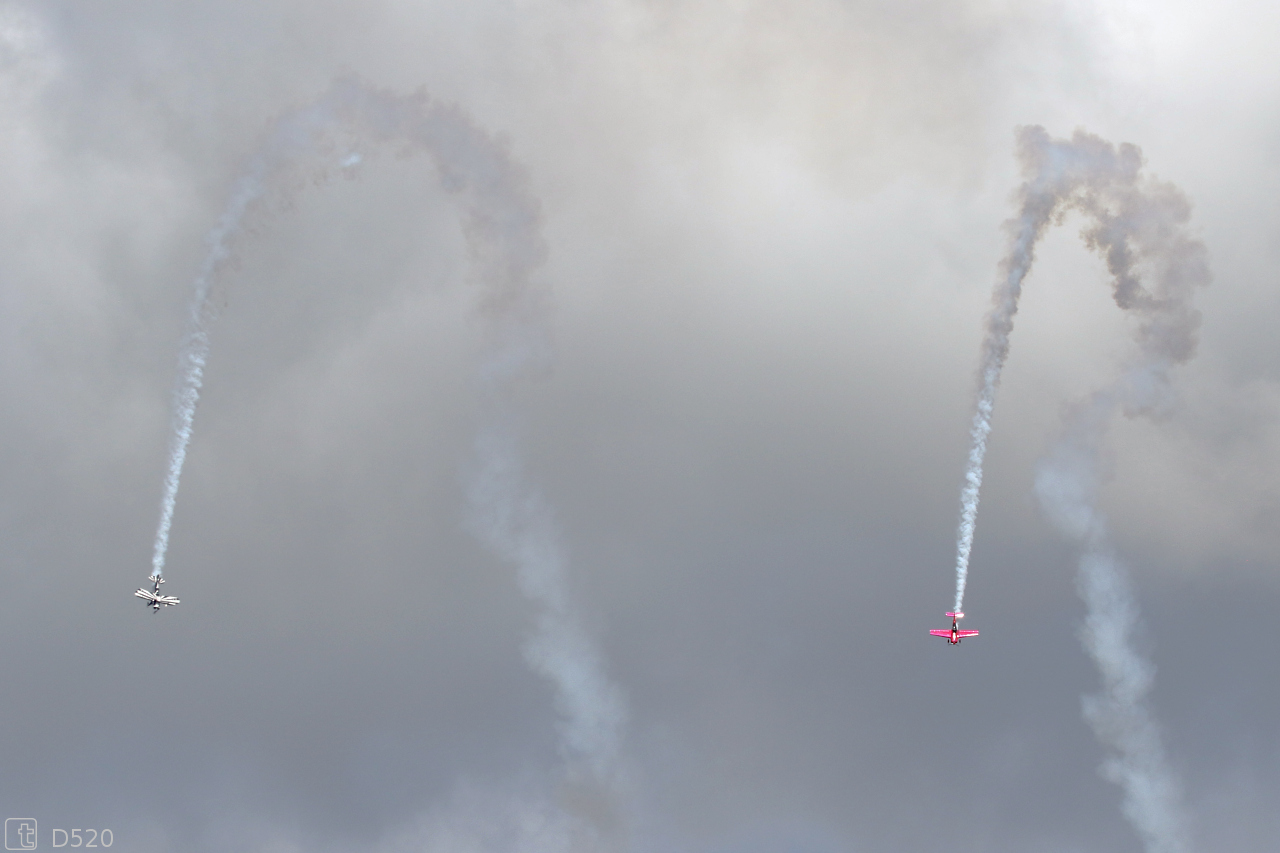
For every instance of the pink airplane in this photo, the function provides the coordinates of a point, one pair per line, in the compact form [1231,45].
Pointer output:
[955,635]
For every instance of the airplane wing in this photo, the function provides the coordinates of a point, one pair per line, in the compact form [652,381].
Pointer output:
[966,633]
[938,632]
[152,598]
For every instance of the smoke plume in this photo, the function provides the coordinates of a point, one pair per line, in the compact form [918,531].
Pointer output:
[517,523]
[502,228]
[291,137]
[1058,174]
[1067,484]
[1139,226]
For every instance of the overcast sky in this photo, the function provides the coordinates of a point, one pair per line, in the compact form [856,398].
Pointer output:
[771,233]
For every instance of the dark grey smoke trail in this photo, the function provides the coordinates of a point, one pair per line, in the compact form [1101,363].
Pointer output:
[1139,225]
[502,227]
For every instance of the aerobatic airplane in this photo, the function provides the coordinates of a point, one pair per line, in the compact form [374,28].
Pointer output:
[955,635]
[154,599]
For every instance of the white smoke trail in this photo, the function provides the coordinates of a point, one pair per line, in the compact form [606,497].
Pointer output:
[1056,173]
[1067,483]
[290,138]
[1139,225]
[1120,715]
[501,224]
[192,356]
[517,523]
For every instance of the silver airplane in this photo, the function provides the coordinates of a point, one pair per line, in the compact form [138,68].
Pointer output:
[154,599]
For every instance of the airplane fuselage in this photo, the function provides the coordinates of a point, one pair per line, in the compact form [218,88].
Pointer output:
[154,599]
[955,635]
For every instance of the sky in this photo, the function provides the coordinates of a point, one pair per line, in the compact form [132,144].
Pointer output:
[765,242]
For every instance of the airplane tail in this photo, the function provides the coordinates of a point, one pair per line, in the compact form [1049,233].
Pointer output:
[955,615]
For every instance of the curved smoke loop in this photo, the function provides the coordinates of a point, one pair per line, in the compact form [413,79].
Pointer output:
[1139,226]
[501,224]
